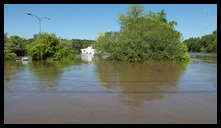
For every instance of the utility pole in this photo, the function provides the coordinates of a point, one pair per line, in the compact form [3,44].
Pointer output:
[39,20]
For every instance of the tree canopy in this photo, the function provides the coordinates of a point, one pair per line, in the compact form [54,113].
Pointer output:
[143,36]
[48,46]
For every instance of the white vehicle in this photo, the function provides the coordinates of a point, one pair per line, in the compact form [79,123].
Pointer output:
[25,58]
[88,50]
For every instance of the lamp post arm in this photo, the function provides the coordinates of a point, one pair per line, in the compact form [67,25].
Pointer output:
[39,19]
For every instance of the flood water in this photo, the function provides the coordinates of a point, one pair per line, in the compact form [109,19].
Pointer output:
[111,92]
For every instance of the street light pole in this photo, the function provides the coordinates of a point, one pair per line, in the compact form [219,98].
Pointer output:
[39,20]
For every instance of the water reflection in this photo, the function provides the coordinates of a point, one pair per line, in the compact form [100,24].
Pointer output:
[139,82]
[48,74]
[87,57]
[24,62]
[198,58]
[11,68]
[142,93]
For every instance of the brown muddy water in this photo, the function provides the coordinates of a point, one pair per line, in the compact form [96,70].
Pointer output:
[111,92]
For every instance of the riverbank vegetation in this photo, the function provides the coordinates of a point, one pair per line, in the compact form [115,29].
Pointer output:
[43,46]
[206,43]
[143,36]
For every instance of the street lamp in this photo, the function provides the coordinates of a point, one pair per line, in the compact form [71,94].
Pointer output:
[39,20]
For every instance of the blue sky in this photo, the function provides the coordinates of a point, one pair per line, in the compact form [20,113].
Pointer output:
[86,21]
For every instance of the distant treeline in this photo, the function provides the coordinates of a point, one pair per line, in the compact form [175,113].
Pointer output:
[206,43]
[77,44]
[15,46]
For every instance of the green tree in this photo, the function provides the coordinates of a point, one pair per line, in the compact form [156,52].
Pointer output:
[105,43]
[8,54]
[48,46]
[143,36]
[17,45]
